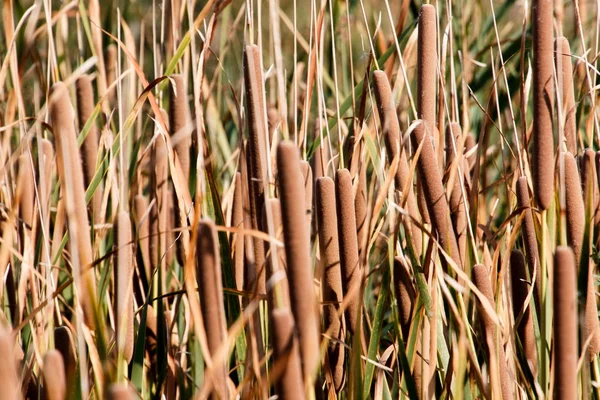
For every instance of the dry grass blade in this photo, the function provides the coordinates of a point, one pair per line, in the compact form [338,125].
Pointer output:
[332,278]
[302,298]
[26,191]
[565,324]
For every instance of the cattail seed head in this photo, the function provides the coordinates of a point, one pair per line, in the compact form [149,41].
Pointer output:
[565,78]
[286,355]
[427,63]
[180,122]
[405,295]
[9,381]
[575,206]
[54,376]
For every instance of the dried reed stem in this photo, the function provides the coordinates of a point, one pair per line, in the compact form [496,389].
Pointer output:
[543,100]
[348,243]
[302,292]
[71,176]
[208,276]
[565,324]
[360,207]
[332,277]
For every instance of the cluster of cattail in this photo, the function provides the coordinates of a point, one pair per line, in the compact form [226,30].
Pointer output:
[264,284]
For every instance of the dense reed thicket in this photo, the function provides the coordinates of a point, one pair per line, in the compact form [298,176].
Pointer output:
[299,200]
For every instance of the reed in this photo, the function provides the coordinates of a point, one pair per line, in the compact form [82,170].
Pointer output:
[256,149]
[123,284]
[348,244]
[89,148]
[564,328]
[481,279]
[520,291]
[392,137]
[575,207]
[208,277]
[54,376]
[158,224]
[279,294]
[237,239]
[542,155]
[291,195]
[457,200]
[332,278]
[71,175]
[567,94]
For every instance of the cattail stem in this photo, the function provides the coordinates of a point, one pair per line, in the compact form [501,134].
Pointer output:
[302,292]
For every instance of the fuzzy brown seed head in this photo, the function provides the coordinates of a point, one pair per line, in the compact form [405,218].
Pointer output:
[180,122]
[565,79]
[9,381]
[55,381]
[427,63]
[575,206]
[291,193]
[405,295]
[565,324]
[286,355]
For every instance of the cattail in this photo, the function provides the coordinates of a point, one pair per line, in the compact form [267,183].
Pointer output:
[180,122]
[89,148]
[123,280]
[297,249]
[543,100]
[332,277]
[575,207]
[159,213]
[520,289]
[427,64]
[457,206]
[565,324]
[565,84]
[348,243]
[591,324]
[65,345]
[9,381]
[470,145]
[529,237]
[140,206]
[283,298]
[273,121]
[54,376]
[308,192]
[589,182]
[286,356]
[120,392]
[405,295]
[237,241]
[257,161]
[319,162]
[172,223]
[208,276]
[26,190]
[111,69]
[481,279]
[392,136]
[434,193]
[360,207]
[71,177]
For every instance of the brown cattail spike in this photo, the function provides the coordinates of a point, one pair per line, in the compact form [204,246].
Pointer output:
[71,176]
[237,241]
[543,99]
[457,205]
[89,148]
[9,381]
[405,295]
[332,277]
[54,376]
[481,278]
[291,186]
[565,324]
[565,79]
[392,136]
[520,290]
[575,206]
[286,356]
[208,276]
[427,64]
[123,281]
[348,242]
[180,122]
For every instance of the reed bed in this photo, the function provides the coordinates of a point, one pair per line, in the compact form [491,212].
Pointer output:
[236,199]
